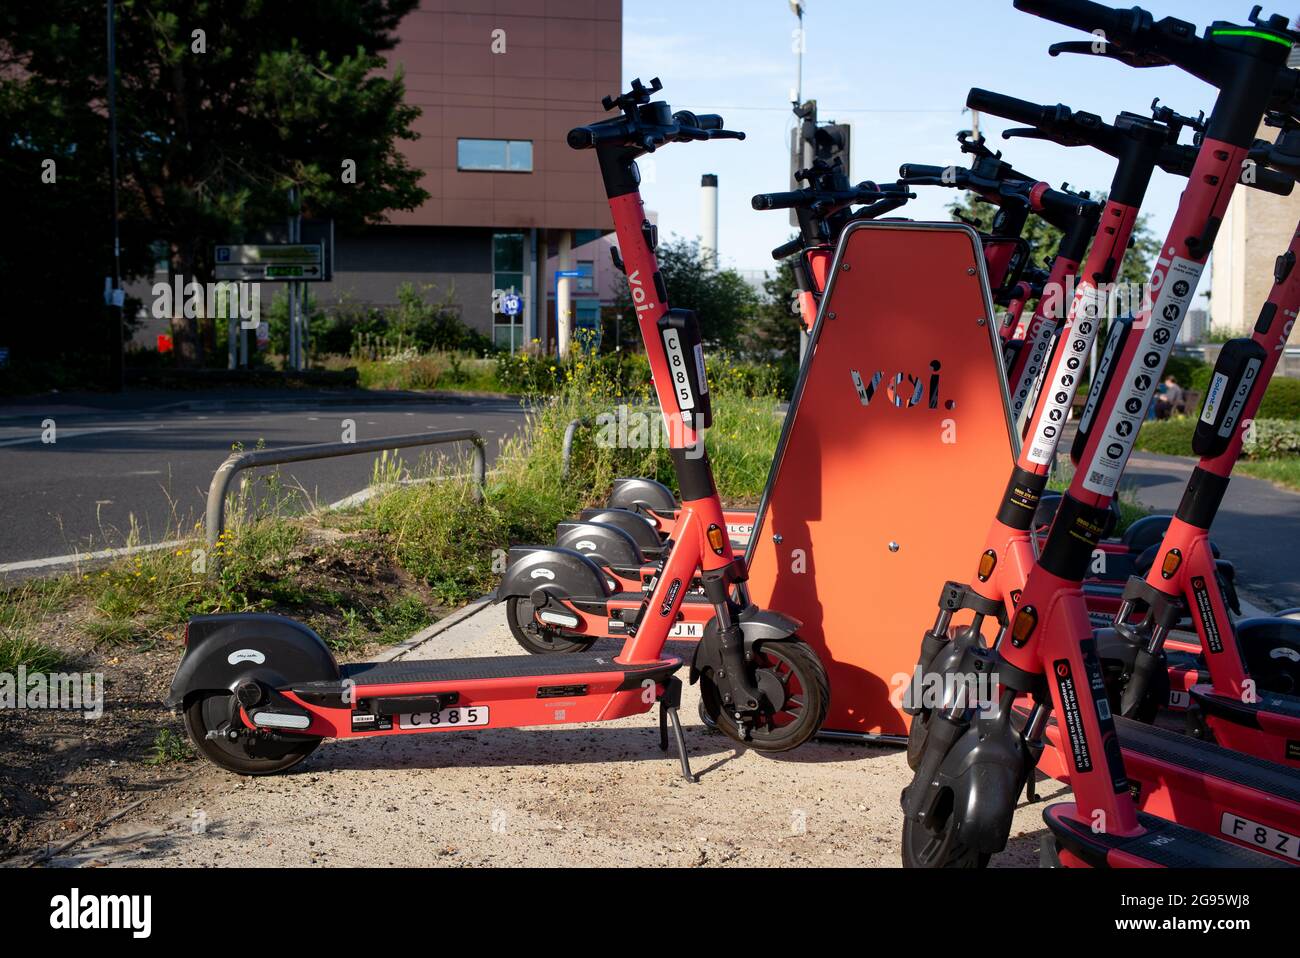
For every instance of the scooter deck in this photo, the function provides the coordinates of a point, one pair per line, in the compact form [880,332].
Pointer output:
[368,675]
[1211,788]
[1161,844]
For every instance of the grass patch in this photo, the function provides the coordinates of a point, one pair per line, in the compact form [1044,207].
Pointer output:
[1284,472]
[20,650]
[436,530]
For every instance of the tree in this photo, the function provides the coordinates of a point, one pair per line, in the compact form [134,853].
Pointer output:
[223,107]
[724,302]
[774,334]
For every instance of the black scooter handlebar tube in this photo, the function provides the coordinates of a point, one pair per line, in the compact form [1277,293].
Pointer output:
[1011,108]
[1085,15]
[779,201]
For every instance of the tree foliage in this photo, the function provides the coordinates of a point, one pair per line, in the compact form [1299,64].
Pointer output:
[223,106]
[774,334]
[724,302]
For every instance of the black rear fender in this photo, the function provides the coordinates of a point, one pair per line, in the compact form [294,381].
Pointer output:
[223,650]
[642,495]
[559,571]
[606,544]
[642,530]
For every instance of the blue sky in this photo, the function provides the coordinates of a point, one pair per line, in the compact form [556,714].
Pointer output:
[899,73]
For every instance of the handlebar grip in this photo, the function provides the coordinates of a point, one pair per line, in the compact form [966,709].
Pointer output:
[786,250]
[779,201]
[920,171]
[709,121]
[582,138]
[1009,108]
[1084,15]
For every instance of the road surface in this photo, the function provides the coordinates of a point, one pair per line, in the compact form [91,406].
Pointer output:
[142,455]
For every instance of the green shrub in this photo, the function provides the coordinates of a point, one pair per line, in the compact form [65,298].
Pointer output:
[1186,369]
[1272,439]
[1171,437]
[1281,400]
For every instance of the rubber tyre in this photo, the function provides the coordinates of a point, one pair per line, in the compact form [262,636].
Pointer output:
[800,672]
[918,731]
[537,639]
[208,710]
[923,848]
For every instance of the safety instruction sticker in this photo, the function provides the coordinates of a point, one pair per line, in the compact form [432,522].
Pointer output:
[1099,381]
[1135,392]
[1039,343]
[1060,389]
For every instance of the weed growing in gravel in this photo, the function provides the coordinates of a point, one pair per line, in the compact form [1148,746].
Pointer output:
[168,747]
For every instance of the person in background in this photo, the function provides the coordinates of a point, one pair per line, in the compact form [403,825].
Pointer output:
[1169,398]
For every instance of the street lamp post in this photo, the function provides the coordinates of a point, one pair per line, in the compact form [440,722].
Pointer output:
[113,296]
[796,7]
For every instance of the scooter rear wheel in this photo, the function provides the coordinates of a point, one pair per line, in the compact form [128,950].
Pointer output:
[210,712]
[536,638]
[938,847]
[797,694]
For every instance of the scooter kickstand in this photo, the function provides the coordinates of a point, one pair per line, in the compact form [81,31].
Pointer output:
[668,705]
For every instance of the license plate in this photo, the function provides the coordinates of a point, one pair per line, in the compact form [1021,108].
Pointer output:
[1261,836]
[687,630]
[462,717]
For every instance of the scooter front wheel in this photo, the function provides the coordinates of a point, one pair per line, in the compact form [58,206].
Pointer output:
[210,712]
[795,696]
[536,638]
[937,845]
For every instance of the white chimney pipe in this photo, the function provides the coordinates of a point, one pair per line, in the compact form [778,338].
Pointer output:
[709,219]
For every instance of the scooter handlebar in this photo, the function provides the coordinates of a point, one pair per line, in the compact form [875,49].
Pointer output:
[1011,108]
[780,201]
[1085,15]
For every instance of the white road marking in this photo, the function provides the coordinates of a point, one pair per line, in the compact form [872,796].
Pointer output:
[77,557]
[63,434]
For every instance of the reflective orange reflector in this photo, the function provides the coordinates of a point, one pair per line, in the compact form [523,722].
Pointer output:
[1173,559]
[1022,627]
[988,562]
[715,539]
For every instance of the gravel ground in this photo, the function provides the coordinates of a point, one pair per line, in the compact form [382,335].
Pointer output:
[598,794]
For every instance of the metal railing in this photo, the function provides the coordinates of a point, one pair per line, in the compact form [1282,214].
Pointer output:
[236,462]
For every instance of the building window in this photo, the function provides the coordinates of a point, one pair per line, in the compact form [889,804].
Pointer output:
[586,322]
[507,283]
[495,156]
[586,283]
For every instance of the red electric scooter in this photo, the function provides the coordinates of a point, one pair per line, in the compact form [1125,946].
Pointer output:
[973,760]
[1251,702]
[260,692]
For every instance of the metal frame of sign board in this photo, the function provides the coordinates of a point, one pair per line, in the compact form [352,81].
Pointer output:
[248,270]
